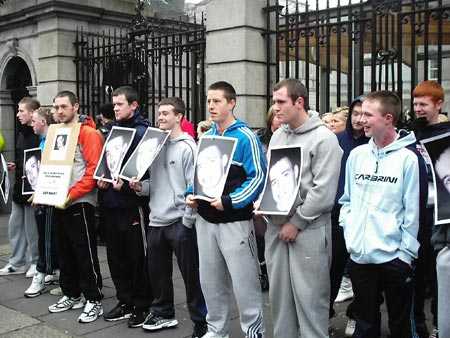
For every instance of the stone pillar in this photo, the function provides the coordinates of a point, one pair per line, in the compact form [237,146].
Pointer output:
[7,120]
[236,53]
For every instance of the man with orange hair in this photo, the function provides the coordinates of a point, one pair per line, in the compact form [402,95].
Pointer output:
[428,102]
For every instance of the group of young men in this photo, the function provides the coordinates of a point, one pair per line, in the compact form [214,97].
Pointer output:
[382,197]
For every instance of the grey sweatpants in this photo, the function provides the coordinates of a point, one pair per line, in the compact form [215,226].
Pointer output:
[299,279]
[443,280]
[23,235]
[228,262]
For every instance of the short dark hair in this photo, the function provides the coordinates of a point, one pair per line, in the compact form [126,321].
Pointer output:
[178,104]
[389,101]
[30,103]
[107,111]
[228,90]
[295,89]
[70,95]
[129,92]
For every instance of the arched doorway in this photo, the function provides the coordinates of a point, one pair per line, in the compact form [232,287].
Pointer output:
[14,82]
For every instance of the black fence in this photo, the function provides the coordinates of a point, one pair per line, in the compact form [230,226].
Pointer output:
[357,47]
[159,58]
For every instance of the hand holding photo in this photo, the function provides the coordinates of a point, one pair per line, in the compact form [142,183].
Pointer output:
[113,153]
[213,161]
[282,182]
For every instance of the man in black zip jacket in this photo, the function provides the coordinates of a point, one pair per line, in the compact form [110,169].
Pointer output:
[125,226]
[22,228]
[428,102]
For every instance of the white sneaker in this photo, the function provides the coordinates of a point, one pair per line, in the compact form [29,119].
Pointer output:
[9,269]
[350,328]
[66,303]
[37,286]
[210,334]
[31,271]
[92,310]
[345,291]
[52,279]
[435,333]
[56,292]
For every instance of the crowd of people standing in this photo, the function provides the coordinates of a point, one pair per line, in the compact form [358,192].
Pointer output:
[361,226]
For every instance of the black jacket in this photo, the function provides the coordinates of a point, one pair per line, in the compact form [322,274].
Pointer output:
[26,139]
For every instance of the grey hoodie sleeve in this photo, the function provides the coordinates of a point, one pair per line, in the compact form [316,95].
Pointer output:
[188,166]
[325,165]
[145,188]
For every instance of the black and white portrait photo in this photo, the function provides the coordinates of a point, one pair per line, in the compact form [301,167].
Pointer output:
[144,154]
[213,160]
[4,179]
[438,149]
[113,153]
[31,164]
[59,145]
[282,181]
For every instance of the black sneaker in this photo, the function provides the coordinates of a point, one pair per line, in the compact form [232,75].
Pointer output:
[137,318]
[154,322]
[200,330]
[119,312]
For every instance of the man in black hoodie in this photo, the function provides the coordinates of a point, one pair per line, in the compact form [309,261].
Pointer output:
[22,228]
[428,102]
[350,138]
[125,228]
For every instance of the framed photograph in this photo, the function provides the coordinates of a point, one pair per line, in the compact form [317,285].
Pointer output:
[438,149]
[282,181]
[145,153]
[31,165]
[212,163]
[115,148]
[4,179]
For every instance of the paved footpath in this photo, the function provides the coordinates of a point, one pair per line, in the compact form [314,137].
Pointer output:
[22,317]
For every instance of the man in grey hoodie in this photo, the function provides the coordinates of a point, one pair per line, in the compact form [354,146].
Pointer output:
[171,224]
[298,246]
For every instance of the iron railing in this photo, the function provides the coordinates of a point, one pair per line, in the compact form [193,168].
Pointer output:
[159,58]
[357,47]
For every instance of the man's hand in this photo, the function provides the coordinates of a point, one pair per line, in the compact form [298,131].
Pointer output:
[217,203]
[11,166]
[136,185]
[118,185]
[191,202]
[288,232]
[102,184]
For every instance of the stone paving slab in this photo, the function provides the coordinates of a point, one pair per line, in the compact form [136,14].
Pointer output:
[11,320]
[40,331]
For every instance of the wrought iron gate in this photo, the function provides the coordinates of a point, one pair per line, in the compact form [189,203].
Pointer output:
[357,47]
[159,58]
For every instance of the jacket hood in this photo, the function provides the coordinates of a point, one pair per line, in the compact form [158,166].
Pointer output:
[237,124]
[86,121]
[183,137]
[311,123]
[348,126]
[405,138]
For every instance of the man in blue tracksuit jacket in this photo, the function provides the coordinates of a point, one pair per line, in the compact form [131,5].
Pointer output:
[384,185]
[225,234]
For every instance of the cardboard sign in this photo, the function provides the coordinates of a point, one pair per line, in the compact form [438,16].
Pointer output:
[56,164]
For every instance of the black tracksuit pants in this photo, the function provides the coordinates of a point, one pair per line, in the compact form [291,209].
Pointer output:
[126,251]
[162,242]
[77,252]
[48,259]
[395,279]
